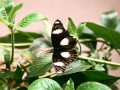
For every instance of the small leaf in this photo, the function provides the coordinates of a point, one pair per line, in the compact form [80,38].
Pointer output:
[110,19]
[69,85]
[3,85]
[3,13]
[93,86]
[14,11]
[18,75]
[72,28]
[107,34]
[76,66]
[30,19]
[44,84]
[80,29]
[9,4]
[40,66]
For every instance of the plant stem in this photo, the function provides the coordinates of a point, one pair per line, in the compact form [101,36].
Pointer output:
[12,42]
[15,44]
[100,61]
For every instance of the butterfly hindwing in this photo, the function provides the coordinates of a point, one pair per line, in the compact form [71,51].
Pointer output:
[63,44]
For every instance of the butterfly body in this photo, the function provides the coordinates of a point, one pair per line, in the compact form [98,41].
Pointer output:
[63,47]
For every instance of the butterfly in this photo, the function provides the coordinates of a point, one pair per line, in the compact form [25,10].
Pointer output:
[63,47]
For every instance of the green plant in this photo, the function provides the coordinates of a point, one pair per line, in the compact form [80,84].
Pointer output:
[22,72]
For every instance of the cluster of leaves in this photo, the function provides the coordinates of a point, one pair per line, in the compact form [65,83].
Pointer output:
[83,74]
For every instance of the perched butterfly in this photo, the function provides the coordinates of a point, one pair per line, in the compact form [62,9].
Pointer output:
[63,47]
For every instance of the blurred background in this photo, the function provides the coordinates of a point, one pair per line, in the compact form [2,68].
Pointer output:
[78,10]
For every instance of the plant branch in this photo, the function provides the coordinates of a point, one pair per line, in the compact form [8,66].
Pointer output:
[89,40]
[12,43]
[15,44]
[100,61]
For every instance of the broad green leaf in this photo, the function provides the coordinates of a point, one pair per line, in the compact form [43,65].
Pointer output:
[14,11]
[9,4]
[40,66]
[72,28]
[93,86]
[108,35]
[110,19]
[69,85]
[76,66]
[30,19]
[100,76]
[3,13]
[22,39]
[3,85]
[44,84]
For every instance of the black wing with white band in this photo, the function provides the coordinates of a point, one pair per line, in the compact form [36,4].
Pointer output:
[63,47]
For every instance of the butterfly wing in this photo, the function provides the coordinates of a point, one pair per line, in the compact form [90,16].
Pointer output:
[63,43]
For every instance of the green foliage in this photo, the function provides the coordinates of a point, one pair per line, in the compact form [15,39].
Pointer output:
[40,66]
[44,84]
[69,85]
[110,19]
[30,19]
[35,59]
[105,33]
[93,86]
[3,85]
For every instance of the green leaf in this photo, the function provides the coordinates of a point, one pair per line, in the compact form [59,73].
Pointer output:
[3,13]
[93,86]
[39,43]
[3,85]
[72,28]
[28,55]
[107,34]
[9,4]
[44,84]
[69,85]
[14,11]
[40,66]
[100,77]
[18,75]
[6,22]
[5,57]
[80,29]
[30,19]
[110,19]
[76,66]
[25,41]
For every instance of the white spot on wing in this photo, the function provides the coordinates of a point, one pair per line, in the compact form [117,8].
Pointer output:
[65,41]
[61,64]
[65,54]
[57,31]
[57,22]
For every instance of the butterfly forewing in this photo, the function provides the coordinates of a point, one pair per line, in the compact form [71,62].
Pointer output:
[63,47]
